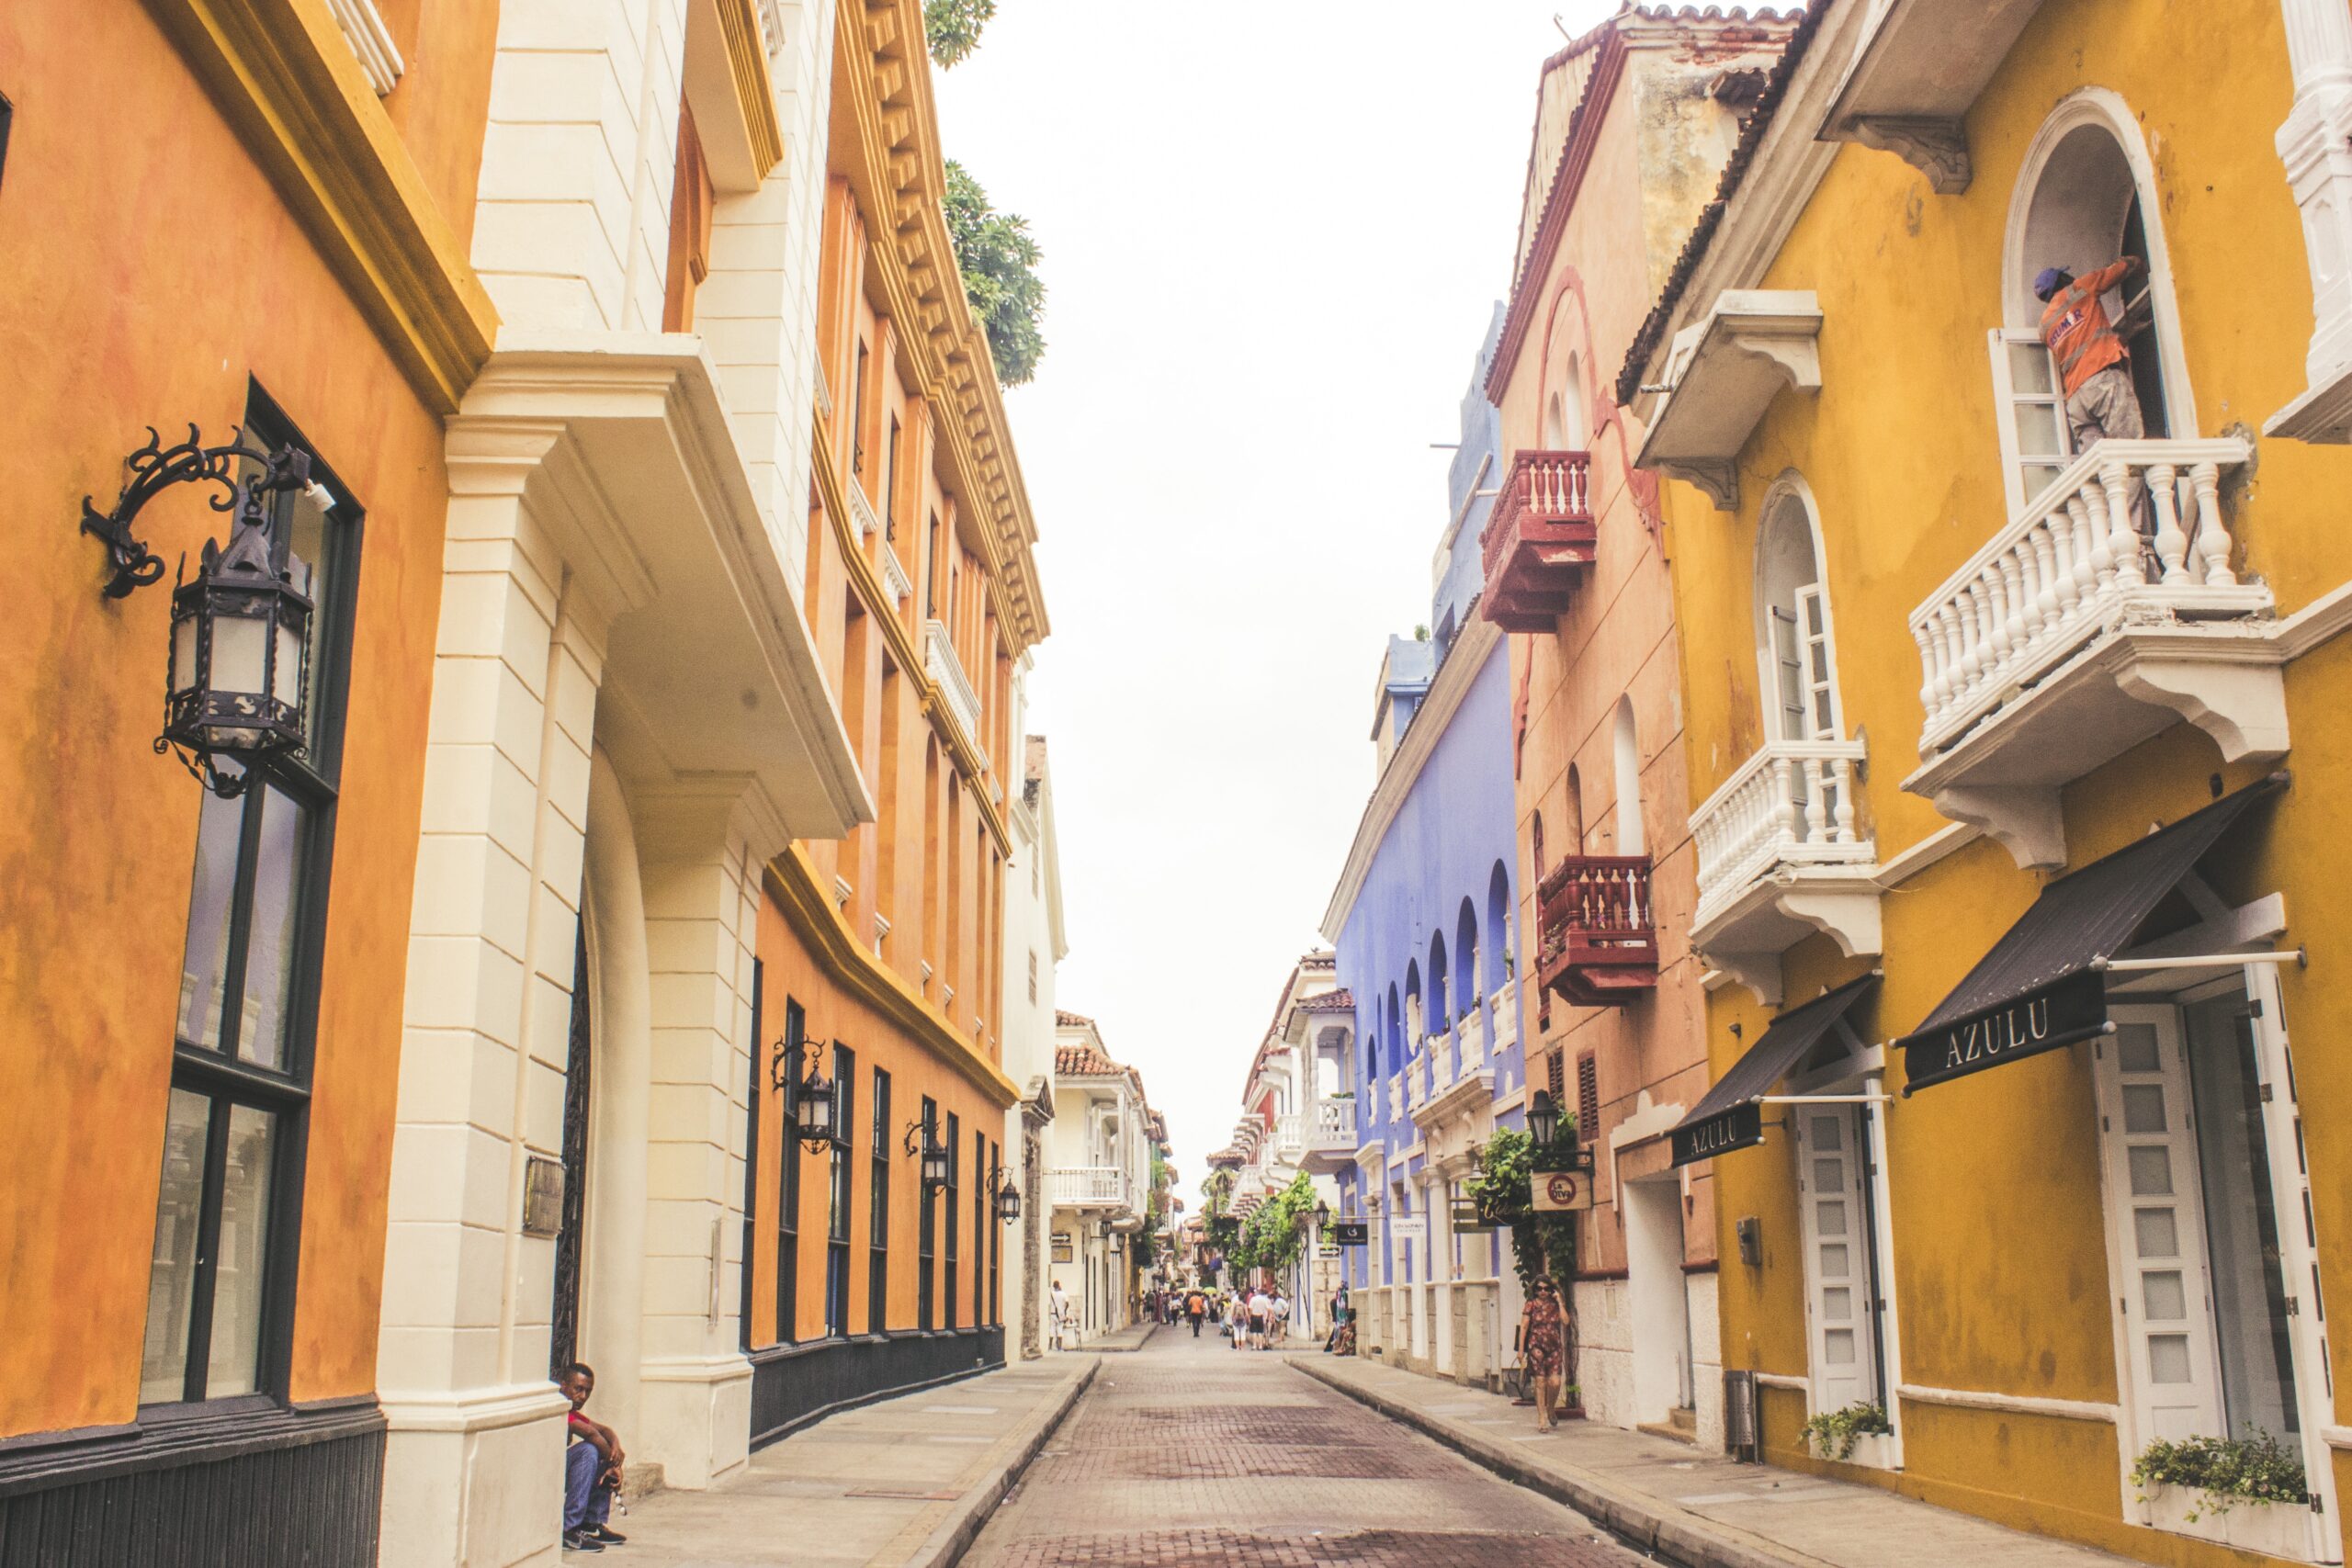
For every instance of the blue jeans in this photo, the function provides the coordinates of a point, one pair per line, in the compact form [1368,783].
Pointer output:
[585,1504]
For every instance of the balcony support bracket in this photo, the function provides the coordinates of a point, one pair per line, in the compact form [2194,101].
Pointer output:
[1747,939]
[1936,146]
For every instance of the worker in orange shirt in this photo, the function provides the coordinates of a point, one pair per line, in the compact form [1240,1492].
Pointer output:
[2094,367]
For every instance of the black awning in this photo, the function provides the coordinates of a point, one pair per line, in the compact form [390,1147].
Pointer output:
[2042,986]
[1731,1115]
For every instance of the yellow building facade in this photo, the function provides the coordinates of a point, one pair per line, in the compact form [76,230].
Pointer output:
[2023,1126]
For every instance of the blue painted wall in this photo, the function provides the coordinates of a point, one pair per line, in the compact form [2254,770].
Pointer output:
[1452,842]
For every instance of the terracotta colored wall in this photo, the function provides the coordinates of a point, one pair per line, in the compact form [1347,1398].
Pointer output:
[791,973]
[151,269]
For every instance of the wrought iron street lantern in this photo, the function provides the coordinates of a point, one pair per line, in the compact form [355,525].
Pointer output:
[1008,1196]
[922,1140]
[1322,1216]
[1542,1118]
[1119,1243]
[235,687]
[811,1099]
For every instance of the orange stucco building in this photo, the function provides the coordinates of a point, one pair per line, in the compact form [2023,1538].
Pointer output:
[214,214]
[884,949]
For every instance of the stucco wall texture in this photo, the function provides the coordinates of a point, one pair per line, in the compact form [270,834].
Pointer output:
[1999,1264]
[154,270]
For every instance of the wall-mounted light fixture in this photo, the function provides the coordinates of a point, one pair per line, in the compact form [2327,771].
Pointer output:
[924,1143]
[811,1098]
[235,685]
[1008,1196]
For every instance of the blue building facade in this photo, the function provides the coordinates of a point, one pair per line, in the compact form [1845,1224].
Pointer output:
[1424,925]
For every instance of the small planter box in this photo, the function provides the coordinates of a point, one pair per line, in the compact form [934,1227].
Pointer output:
[1874,1449]
[2279,1529]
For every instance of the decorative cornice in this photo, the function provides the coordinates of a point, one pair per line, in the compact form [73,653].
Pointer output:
[1576,161]
[284,76]
[791,881]
[902,176]
[882,606]
[747,64]
[1479,641]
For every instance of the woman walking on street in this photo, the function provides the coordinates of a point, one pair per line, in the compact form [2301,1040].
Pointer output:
[1543,1343]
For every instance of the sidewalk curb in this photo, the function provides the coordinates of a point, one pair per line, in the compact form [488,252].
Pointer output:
[1149,1330]
[945,1546]
[1675,1535]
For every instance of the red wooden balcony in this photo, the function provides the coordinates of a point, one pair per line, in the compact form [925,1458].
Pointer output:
[1539,541]
[1599,939]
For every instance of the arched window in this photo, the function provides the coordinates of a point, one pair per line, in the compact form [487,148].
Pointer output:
[1416,1016]
[1796,654]
[1575,812]
[1628,749]
[1440,1014]
[1466,959]
[1500,954]
[1536,833]
[2085,196]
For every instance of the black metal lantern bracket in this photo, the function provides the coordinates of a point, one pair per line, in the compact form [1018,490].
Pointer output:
[155,467]
[816,1136]
[921,1143]
[1008,1196]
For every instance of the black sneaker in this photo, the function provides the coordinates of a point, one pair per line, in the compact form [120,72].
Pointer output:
[606,1534]
[581,1540]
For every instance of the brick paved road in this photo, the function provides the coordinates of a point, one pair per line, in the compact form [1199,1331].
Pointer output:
[1189,1454]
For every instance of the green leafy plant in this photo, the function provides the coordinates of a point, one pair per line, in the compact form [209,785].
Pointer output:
[1275,1233]
[952,27]
[1504,1191]
[2224,1472]
[998,262]
[1833,1432]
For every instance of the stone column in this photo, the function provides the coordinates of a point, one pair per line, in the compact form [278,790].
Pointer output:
[2315,143]
[700,844]
[473,1461]
[1037,1223]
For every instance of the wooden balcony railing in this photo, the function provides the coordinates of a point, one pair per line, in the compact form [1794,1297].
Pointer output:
[1539,541]
[1600,937]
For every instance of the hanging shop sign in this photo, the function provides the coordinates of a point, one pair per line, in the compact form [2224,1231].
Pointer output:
[1737,1127]
[2071,1008]
[1063,1251]
[1350,1232]
[1562,1192]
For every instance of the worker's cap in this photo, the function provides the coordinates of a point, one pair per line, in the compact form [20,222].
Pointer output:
[2046,281]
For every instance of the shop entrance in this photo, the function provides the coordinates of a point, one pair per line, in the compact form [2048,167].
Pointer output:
[2220,1325]
[1657,1291]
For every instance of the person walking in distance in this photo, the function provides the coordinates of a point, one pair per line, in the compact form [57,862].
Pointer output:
[1544,1344]
[1196,1307]
[1057,1312]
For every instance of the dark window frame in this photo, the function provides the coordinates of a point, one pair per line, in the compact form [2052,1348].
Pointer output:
[842,1191]
[787,1213]
[309,781]
[955,1214]
[984,1306]
[877,1239]
[926,1227]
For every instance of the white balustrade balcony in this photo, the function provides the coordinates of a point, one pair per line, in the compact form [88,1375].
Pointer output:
[1472,1034]
[2069,638]
[941,663]
[861,510]
[1504,1005]
[1781,855]
[1334,1129]
[1439,1054]
[1417,1083]
[1396,1097]
[1288,1141]
[1089,1187]
[894,575]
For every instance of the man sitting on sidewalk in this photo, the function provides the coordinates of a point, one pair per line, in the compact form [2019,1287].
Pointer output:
[592,1468]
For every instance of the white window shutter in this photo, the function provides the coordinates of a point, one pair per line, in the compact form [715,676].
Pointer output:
[2030,413]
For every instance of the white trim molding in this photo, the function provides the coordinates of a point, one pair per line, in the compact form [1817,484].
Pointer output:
[2315,145]
[363,27]
[2011,1404]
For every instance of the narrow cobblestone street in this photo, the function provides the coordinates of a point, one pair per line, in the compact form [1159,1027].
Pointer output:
[1190,1455]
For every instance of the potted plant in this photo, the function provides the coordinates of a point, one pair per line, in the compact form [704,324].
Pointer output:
[1856,1435]
[2250,1493]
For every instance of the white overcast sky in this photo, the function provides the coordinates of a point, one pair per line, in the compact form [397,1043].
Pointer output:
[1273,230]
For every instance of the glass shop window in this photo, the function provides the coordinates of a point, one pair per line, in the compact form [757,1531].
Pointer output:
[220,1286]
